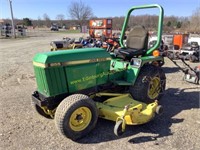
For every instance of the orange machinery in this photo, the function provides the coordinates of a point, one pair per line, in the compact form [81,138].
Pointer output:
[180,40]
[99,27]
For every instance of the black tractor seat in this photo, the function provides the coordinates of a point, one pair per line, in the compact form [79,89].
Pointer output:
[128,53]
[136,44]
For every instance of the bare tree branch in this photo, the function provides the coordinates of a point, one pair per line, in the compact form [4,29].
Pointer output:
[195,20]
[47,20]
[81,12]
[60,18]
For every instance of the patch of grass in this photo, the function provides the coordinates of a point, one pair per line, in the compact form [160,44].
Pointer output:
[68,31]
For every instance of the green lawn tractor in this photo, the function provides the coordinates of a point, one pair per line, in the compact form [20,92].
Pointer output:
[77,87]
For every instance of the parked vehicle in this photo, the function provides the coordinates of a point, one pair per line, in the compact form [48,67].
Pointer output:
[77,86]
[65,44]
[194,45]
[186,53]
[190,51]
[54,28]
[194,38]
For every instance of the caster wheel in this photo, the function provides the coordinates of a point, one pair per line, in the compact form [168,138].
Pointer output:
[118,128]
[159,110]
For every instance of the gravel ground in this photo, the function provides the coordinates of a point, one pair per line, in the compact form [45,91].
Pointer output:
[21,128]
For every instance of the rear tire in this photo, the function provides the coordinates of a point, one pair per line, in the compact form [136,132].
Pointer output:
[76,116]
[150,84]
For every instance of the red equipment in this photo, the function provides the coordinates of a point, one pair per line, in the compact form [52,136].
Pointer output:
[100,27]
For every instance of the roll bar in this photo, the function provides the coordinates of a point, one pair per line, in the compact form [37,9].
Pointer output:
[160,24]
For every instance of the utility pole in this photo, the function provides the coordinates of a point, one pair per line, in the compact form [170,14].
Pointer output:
[13,25]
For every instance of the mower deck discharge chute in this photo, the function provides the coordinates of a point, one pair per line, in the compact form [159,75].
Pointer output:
[77,87]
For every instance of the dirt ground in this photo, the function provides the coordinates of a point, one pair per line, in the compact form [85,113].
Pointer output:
[22,129]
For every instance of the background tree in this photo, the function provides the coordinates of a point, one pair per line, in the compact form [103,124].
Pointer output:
[195,21]
[169,23]
[118,22]
[39,22]
[178,25]
[184,23]
[27,22]
[80,12]
[47,20]
[60,18]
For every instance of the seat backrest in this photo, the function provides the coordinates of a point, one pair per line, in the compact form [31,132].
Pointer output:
[137,38]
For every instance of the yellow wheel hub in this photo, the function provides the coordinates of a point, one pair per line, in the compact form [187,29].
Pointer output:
[80,119]
[154,88]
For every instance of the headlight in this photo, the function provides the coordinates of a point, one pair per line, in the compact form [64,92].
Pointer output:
[135,62]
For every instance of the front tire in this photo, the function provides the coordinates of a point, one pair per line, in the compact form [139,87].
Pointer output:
[76,116]
[150,84]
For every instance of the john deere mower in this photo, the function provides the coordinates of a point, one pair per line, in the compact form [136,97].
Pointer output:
[77,87]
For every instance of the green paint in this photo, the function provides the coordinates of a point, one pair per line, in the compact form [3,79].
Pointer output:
[80,69]
[160,25]
[70,55]
[70,78]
